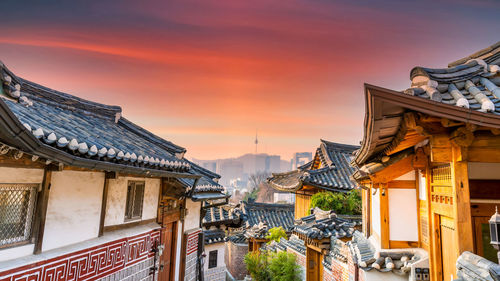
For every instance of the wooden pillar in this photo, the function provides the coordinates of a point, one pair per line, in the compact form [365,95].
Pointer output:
[462,211]
[108,176]
[41,209]
[384,216]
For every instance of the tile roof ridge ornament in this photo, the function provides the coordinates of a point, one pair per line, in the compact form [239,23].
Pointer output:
[486,104]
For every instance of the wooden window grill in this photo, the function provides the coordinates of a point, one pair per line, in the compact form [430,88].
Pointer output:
[212,259]
[135,198]
[17,208]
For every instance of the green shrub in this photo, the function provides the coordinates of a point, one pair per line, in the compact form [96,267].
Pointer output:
[268,266]
[275,234]
[257,265]
[284,267]
[341,203]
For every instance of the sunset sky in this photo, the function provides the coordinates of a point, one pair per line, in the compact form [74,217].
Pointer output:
[206,74]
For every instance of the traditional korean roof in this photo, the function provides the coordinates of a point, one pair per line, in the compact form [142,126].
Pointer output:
[293,243]
[338,251]
[273,215]
[465,91]
[333,173]
[78,132]
[222,215]
[474,267]
[367,258]
[207,186]
[325,224]
[238,238]
[214,236]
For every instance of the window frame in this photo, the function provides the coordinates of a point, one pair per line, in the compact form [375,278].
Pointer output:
[30,214]
[213,258]
[130,200]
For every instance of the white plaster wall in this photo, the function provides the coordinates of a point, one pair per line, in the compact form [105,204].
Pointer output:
[220,247]
[20,175]
[16,252]
[178,252]
[410,176]
[375,213]
[484,171]
[403,214]
[117,197]
[422,186]
[374,275]
[74,208]
[192,219]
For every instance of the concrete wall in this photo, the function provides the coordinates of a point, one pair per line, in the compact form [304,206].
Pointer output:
[117,197]
[19,175]
[74,208]
[403,220]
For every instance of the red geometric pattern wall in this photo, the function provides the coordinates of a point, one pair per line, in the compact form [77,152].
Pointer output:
[88,264]
[192,242]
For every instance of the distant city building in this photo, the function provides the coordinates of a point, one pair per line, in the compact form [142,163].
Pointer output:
[288,198]
[300,158]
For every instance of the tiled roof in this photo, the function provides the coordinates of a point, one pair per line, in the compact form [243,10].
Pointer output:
[325,224]
[474,267]
[293,243]
[367,258]
[334,173]
[273,215]
[214,236]
[225,215]
[238,238]
[85,129]
[338,251]
[470,83]
[207,184]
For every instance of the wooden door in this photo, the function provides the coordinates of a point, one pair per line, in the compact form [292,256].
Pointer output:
[448,246]
[167,259]
[313,265]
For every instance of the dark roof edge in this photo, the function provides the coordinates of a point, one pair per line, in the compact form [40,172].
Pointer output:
[203,171]
[340,145]
[475,55]
[421,105]
[17,134]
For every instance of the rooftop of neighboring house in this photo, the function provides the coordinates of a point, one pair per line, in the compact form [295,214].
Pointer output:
[326,224]
[365,255]
[214,236]
[467,90]
[227,215]
[329,170]
[474,267]
[63,129]
[260,217]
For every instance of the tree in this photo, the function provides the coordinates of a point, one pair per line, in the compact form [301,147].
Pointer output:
[255,181]
[276,233]
[341,203]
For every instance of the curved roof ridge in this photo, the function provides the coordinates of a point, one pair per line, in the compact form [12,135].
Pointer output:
[338,145]
[484,54]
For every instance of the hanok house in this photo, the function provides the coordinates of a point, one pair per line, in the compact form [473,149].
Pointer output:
[329,170]
[430,163]
[216,222]
[85,194]
[257,219]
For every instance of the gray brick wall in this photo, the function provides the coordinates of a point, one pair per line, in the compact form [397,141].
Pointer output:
[137,272]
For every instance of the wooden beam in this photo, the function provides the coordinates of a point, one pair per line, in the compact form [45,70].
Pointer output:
[462,210]
[41,210]
[463,136]
[104,201]
[402,244]
[393,171]
[408,184]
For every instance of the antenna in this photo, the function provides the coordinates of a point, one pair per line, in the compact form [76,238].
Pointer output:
[256,142]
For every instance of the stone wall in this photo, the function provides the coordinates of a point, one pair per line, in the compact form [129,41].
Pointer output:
[216,274]
[234,258]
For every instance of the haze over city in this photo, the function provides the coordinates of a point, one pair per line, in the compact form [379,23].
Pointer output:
[207,74]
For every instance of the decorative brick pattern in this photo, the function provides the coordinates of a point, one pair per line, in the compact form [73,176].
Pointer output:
[91,264]
[233,258]
[216,274]
[191,255]
[327,275]
[340,271]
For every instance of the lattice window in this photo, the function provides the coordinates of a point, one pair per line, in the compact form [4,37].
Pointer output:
[441,173]
[135,198]
[17,205]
